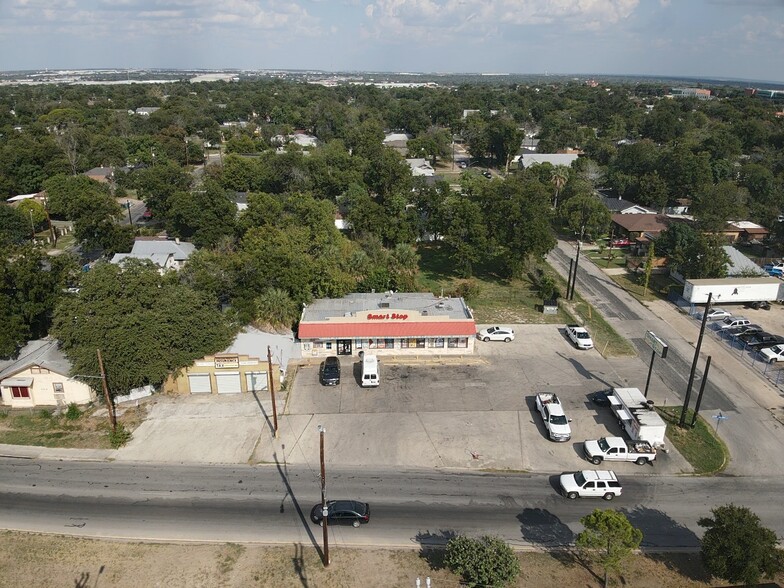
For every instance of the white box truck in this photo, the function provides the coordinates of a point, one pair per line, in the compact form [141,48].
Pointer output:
[370,376]
[636,416]
[729,290]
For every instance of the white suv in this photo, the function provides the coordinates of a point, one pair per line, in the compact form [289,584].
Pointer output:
[731,322]
[590,484]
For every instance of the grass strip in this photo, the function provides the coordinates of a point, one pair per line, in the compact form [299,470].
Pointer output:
[700,445]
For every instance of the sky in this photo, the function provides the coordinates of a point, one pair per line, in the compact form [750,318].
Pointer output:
[742,39]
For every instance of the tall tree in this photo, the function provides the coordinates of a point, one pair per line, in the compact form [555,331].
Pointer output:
[586,215]
[737,548]
[715,205]
[558,177]
[609,538]
[466,234]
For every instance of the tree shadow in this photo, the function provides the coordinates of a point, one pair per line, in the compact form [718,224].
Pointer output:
[431,546]
[541,527]
[659,529]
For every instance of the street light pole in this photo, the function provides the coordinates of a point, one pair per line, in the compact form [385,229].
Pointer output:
[324,509]
[271,381]
[32,226]
[682,422]
[109,403]
[128,205]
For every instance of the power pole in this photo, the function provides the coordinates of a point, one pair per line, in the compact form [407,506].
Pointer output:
[271,381]
[682,422]
[324,509]
[109,403]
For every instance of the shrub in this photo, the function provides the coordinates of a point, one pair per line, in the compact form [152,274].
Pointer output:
[120,436]
[73,412]
[486,561]
[467,289]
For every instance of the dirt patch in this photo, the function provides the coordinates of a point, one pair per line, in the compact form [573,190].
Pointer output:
[48,560]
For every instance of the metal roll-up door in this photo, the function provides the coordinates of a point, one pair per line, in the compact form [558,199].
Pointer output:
[256,381]
[200,383]
[228,382]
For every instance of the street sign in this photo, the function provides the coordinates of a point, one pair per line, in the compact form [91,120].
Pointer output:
[658,345]
[720,417]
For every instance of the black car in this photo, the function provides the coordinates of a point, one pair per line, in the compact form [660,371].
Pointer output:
[746,330]
[600,398]
[342,512]
[330,371]
[761,340]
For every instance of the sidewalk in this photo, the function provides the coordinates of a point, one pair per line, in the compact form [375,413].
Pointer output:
[55,453]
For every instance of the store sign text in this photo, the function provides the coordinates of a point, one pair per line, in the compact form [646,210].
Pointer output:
[388,316]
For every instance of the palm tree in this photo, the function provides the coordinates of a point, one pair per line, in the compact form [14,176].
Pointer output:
[559,177]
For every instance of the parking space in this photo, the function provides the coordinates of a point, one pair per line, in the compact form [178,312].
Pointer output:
[477,413]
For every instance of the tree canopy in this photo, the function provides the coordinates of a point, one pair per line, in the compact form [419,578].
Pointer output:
[609,538]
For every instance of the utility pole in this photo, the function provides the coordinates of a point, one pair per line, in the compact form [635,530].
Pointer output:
[128,206]
[576,262]
[682,422]
[109,403]
[32,226]
[271,381]
[702,391]
[324,509]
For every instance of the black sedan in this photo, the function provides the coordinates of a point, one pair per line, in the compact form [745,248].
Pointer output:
[342,512]
[600,398]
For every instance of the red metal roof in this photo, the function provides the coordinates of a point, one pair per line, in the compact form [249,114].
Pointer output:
[334,330]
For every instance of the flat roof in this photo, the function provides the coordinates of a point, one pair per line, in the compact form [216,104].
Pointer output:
[424,302]
[734,281]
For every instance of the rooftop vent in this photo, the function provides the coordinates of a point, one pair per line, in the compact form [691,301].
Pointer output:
[440,305]
[384,304]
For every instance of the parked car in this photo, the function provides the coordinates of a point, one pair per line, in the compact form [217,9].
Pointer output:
[497,334]
[773,354]
[762,340]
[731,322]
[487,174]
[590,484]
[757,304]
[620,242]
[342,512]
[717,313]
[147,214]
[462,165]
[744,330]
[775,272]
[600,398]
[330,371]
[579,336]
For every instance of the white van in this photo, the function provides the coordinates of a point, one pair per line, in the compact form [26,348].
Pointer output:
[369,371]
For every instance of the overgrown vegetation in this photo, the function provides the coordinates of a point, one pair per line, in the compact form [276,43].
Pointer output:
[483,562]
[699,445]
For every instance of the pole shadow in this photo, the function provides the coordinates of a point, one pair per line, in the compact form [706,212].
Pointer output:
[298,561]
[270,427]
[283,472]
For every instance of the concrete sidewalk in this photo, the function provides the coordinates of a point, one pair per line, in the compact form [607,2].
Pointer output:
[55,453]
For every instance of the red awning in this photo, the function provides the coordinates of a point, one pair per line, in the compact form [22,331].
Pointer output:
[386,330]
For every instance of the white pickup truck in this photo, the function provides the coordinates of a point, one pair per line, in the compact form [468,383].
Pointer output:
[618,449]
[555,420]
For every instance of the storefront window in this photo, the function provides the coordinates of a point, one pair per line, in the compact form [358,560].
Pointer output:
[412,343]
[389,343]
[318,344]
[329,345]
[438,343]
[454,342]
[372,343]
[358,343]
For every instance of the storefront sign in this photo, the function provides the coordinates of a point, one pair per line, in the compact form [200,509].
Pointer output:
[227,361]
[387,316]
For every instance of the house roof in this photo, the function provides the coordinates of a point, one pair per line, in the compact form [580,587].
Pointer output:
[157,250]
[642,223]
[739,263]
[395,137]
[748,227]
[43,352]
[624,206]
[423,302]
[529,159]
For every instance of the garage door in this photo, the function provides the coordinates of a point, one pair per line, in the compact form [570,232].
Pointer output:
[228,383]
[256,381]
[200,383]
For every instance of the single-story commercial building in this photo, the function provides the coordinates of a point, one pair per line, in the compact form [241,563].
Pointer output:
[39,377]
[226,373]
[388,323]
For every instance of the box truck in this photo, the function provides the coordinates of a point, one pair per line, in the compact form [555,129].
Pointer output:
[636,416]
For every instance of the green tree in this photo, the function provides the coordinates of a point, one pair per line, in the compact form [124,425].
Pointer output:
[146,324]
[14,227]
[275,307]
[558,178]
[203,216]
[737,548]
[466,234]
[705,258]
[585,214]
[485,562]
[608,538]
[716,204]
[431,144]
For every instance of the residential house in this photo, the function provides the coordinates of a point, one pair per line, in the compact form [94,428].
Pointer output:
[640,226]
[145,110]
[529,145]
[420,167]
[528,159]
[620,206]
[744,232]
[740,265]
[103,175]
[39,377]
[301,138]
[469,112]
[397,141]
[164,252]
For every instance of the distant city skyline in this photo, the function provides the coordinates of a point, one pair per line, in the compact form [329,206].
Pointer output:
[718,39]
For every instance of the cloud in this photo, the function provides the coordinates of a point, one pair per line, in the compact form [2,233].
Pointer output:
[432,20]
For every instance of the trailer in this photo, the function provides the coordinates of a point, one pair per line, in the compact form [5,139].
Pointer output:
[729,290]
[636,416]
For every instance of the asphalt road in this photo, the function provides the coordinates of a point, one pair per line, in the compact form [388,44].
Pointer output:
[271,504]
